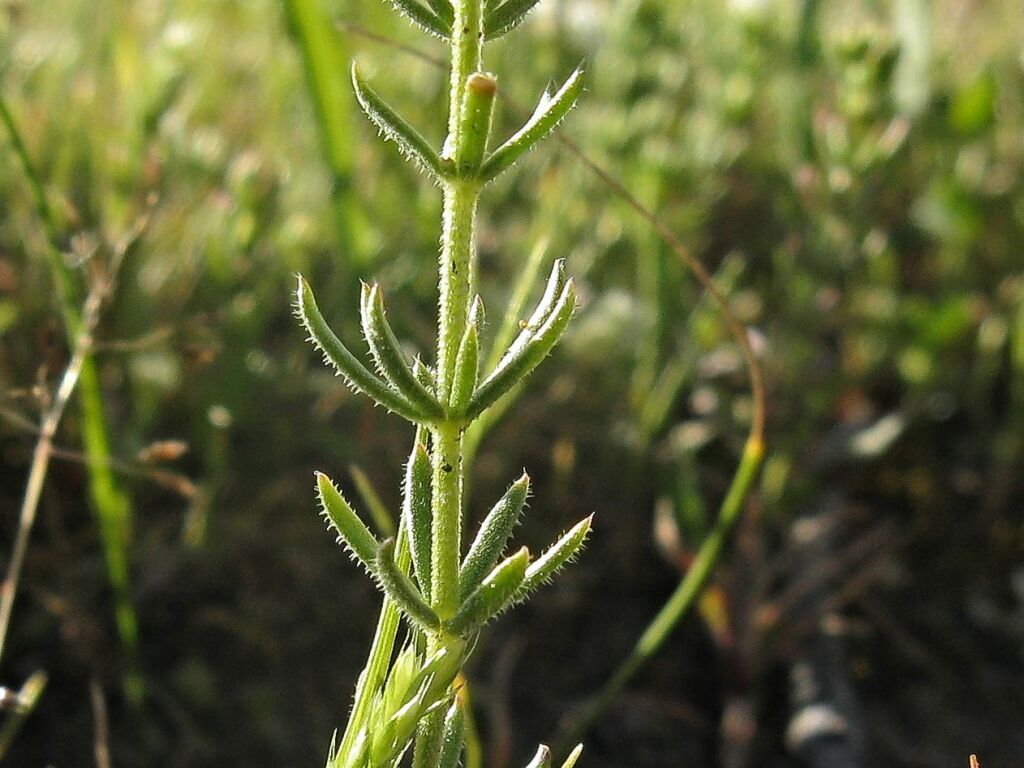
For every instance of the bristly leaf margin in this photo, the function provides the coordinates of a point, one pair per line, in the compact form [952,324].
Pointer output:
[393,126]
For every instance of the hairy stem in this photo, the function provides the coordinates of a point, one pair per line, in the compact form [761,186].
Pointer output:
[455,276]
[467,43]
[447,520]
[455,282]
[456,272]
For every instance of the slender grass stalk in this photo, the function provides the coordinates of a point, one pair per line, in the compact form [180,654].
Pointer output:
[322,60]
[110,502]
[685,595]
[36,479]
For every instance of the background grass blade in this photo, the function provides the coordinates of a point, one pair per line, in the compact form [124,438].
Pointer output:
[323,59]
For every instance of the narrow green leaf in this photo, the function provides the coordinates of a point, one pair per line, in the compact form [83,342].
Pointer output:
[442,667]
[405,719]
[555,558]
[396,704]
[542,759]
[337,355]
[506,17]
[399,587]
[548,301]
[395,127]
[510,324]
[355,755]
[493,536]
[467,371]
[352,532]
[389,356]
[514,368]
[570,761]
[545,119]
[423,712]
[417,515]
[423,17]
[493,596]
[451,741]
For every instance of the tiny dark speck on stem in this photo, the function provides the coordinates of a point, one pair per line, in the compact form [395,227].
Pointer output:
[446,467]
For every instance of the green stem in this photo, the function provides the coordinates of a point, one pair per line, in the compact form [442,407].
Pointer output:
[682,599]
[447,520]
[455,283]
[456,276]
[467,43]
[113,508]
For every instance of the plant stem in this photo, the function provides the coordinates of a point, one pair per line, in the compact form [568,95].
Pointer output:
[455,283]
[455,276]
[67,291]
[41,460]
[447,519]
[466,55]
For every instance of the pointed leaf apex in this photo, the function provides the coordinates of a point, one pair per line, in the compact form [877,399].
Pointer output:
[570,761]
[338,355]
[542,759]
[346,523]
[476,311]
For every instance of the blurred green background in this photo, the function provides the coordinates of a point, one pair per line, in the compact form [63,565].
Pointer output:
[850,171]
